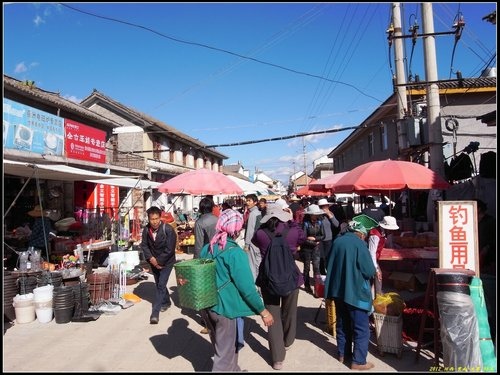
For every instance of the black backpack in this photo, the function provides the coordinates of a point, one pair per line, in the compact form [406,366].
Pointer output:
[278,273]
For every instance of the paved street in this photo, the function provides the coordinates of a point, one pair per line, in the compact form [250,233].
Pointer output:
[126,342]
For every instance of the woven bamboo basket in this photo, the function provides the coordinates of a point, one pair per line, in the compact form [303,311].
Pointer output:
[196,283]
[331,316]
[389,331]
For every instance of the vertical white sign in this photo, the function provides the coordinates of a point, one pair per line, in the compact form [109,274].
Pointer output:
[458,239]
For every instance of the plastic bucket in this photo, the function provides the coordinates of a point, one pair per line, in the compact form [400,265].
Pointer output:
[25,314]
[63,315]
[47,304]
[44,315]
[43,293]
[23,300]
[453,282]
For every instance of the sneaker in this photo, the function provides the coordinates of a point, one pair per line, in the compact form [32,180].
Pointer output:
[341,359]
[165,307]
[153,320]
[204,331]
[364,367]
[277,365]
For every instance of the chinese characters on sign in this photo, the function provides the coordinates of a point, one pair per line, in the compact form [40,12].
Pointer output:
[458,244]
[29,129]
[84,142]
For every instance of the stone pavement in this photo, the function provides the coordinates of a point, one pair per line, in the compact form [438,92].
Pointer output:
[126,342]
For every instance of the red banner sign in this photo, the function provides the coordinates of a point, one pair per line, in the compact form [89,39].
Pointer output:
[84,142]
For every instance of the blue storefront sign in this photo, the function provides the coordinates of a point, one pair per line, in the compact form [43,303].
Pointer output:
[29,129]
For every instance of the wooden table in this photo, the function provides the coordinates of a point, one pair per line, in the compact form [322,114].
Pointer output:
[409,253]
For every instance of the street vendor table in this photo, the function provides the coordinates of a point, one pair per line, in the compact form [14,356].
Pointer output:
[407,265]
[409,253]
[95,246]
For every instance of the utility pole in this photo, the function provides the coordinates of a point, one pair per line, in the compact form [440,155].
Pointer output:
[432,91]
[305,164]
[400,76]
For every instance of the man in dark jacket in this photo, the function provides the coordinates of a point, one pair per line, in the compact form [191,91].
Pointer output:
[158,247]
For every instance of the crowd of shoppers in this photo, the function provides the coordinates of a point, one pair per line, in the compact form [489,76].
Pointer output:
[329,242]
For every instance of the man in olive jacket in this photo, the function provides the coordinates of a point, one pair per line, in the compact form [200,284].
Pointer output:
[158,247]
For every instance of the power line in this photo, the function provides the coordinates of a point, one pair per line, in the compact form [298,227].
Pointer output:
[261,140]
[224,51]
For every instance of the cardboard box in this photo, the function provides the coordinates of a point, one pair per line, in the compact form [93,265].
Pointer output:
[404,281]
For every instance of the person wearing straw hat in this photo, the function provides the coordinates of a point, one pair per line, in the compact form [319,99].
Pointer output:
[237,294]
[42,229]
[377,238]
[280,335]
[349,270]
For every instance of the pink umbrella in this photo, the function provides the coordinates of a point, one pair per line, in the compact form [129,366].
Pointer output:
[201,182]
[390,175]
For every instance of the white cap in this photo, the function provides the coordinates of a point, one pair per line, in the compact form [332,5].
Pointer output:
[281,203]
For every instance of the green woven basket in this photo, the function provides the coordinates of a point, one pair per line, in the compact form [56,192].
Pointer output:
[196,283]
[366,220]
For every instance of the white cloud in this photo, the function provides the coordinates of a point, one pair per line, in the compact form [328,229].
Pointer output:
[72,98]
[20,68]
[38,20]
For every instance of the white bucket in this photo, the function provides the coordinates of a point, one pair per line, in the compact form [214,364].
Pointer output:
[23,300]
[44,315]
[25,314]
[43,293]
[48,304]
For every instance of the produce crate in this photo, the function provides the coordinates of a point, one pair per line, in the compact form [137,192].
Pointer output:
[331,316]
[389,331]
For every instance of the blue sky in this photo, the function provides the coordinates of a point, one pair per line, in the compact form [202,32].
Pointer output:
[307,67]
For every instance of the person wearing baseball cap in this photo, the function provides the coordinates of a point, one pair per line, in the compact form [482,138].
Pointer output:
[349,270]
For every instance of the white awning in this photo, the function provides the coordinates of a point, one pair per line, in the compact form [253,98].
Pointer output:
[51,171]
[248,187]
[128,182]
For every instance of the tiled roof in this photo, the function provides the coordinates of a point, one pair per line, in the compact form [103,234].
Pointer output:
[53,99]
[97,96]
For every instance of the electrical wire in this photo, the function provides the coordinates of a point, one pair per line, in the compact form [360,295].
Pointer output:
[225,51]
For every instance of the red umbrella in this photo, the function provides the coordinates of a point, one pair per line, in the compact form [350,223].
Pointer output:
[201,182]
[390,175]
[307,191]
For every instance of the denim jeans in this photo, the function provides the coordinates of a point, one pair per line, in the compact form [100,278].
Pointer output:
[353,327]
[162,296]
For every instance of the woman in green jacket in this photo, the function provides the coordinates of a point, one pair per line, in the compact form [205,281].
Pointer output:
[237,293]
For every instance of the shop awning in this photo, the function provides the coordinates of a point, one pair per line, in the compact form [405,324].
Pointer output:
[51,171]
[248,187]
[128,182]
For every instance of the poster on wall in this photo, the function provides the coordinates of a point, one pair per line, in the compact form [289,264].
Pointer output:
[29,129]
[84,142]
[458,240]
